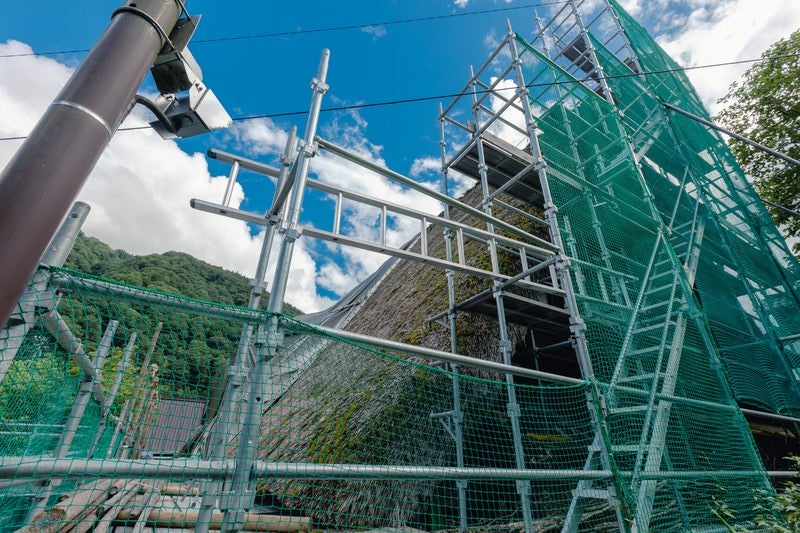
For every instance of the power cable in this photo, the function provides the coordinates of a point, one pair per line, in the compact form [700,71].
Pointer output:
[325,30]
[419,99]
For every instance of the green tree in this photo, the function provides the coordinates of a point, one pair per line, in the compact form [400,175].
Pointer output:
[172,272]
[765,106]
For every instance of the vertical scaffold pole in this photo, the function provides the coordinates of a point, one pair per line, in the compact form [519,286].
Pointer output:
[269,337]
[457,414]
[36,296]
[108,401]
[584,31]
[307,151]
[228,412]
[577,325]
[42,179]
[514,413]
[513,408]
[627,43]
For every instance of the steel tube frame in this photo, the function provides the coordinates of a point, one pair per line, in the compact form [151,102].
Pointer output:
[108,401]
[91,380]
[226,200]
[512,406]
[477,213]
[228,412]
[448,357]
[241,495]
[16,468]
[736,136]
[243,162]
[308,151]
[401,252]
[577,326]
[541,249]
[457,414]
[167,301]
[651,443]
[716,221]
[480,70]
[60,331]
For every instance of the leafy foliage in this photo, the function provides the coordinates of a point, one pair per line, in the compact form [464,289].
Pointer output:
[765,106]
[192,352]
[172,272]
[782,512]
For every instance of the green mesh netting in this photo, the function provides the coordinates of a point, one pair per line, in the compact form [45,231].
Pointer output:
[648,338]
[686,289]
[746,278]
[347,405]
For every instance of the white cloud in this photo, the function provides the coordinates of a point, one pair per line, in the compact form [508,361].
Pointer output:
[425,166]
[461,3]
[259,137]
[376,31]
[513,119]
[140,189]
[632,6]
[341,268]
[726,31]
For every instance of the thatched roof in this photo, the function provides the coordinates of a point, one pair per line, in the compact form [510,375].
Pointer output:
[354,406]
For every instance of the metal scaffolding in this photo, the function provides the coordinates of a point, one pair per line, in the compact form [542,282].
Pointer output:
[637,292]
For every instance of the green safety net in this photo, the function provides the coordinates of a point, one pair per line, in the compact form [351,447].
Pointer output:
[685,288]
[329,404]
[747,280]
[668,405]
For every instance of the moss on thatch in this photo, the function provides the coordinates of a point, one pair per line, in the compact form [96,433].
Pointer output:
[352,406]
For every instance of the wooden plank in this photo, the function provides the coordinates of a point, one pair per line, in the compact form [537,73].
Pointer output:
[65,514]
[111,507]
[253,522]
[151,497]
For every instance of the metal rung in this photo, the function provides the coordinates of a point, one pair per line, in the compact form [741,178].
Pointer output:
[654,327]
[639,377]
[643,351]
[662,274]
[659,289]
[629,409]
[654,306]
[597,494]
[624,448]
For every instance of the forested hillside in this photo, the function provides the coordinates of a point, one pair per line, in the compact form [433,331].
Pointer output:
[172,272]
[192,352]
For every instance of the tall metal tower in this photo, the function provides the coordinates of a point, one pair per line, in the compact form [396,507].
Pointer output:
[681,294]
[641,302]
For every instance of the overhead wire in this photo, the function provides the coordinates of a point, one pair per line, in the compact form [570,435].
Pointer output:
[419,99]
[325,29]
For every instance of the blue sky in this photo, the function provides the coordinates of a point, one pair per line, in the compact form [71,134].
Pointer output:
[141,187]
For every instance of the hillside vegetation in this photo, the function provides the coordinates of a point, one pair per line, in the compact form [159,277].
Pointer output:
[172,272]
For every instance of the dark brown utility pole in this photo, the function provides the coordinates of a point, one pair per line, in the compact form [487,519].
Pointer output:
[41,181]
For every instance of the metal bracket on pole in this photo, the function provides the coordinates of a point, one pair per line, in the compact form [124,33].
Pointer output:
[51,166]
